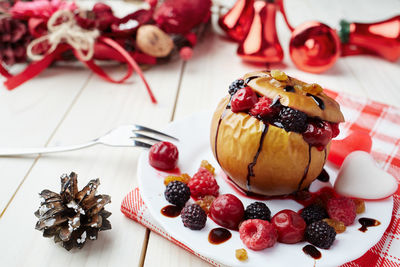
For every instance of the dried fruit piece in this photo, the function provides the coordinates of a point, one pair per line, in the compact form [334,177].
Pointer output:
[241,254]
[279,75]
[208,166]
[205,203]
[153,41]
[312,88]
[337,225]
[360,205]
[184,178]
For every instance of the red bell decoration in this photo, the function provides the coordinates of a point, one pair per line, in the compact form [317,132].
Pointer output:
[380,38]
[237,21]
[261,43]
[314,47]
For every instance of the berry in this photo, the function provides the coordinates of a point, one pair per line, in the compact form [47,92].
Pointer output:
[243,100]
[236,85]
[313,213]
[227,211]
[318,133]
[163,156]
[335,129]
[184,178]
[241,254]
[203,183]
[177,193]
[323,176]
[205,203]
[263,108]
[186,53]
[208,166]
[258,234]
[290,226]
[320,234]
[342,209]
[194,217]
[293,120]
[257,210]
[337,225]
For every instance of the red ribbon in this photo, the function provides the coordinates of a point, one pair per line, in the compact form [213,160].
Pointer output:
[108,46]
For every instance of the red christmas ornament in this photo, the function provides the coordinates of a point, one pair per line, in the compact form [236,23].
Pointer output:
[314,47]
[237,21]
[261,43]
[380,38]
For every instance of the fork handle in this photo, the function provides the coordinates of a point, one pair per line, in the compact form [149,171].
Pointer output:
[42,150]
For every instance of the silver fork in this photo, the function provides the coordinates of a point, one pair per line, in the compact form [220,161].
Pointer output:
[123,136]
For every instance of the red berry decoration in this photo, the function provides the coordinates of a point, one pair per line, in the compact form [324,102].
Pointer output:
[290,226]
[318,134]
[342,209]
[227,211]
[203,183]
[243,100]
[258,234]
[163,156]
[263,107]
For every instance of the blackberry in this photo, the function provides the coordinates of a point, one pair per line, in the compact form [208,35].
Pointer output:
[194,217]
[257,210]
[320,234]
[236,85]
[293,120]
[177,193]
[313,213]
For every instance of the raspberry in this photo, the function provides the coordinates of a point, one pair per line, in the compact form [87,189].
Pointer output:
[320,234]
[257,210]
[177,193]
[360,205]
[184,178]
[290,226]
[318,133]
[243,100]
[263,108]
[163,156]
[258,234]
[342,209]
[235,86]
[337,225]
[292,120]
[241,254]
[227,211]
[313,213]
[194,217]
[208,166]
[205,203]
[203,183]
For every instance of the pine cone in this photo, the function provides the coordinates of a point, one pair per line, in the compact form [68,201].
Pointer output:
[14,38]
[72,216]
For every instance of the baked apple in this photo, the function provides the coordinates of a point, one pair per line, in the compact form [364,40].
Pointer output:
[271,134]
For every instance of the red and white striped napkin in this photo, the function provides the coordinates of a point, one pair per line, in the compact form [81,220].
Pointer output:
[382,122]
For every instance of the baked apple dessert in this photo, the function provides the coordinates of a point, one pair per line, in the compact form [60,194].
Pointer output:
[271,134]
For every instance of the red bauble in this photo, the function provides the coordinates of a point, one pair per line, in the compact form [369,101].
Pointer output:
[314,47]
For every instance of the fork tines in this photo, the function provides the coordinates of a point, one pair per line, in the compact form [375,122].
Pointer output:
[143,140]
[146,129]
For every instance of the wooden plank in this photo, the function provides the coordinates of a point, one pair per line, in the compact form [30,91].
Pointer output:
[100,107]
[29,115]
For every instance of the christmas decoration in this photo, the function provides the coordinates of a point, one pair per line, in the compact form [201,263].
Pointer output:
[73,216]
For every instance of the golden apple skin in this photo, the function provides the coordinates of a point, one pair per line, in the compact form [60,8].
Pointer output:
[285,163]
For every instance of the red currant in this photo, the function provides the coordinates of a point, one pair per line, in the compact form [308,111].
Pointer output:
[163,156]
[290,226]
[243,100]
[227,211]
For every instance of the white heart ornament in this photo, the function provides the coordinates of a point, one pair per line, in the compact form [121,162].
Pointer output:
[360,177]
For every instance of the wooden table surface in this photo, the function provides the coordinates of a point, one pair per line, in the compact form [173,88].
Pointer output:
[67,104]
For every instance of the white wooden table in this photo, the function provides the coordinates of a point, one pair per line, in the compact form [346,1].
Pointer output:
[68,104]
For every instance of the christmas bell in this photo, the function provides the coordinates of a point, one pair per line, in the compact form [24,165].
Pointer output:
[261,44]
[380,38]
[236,22]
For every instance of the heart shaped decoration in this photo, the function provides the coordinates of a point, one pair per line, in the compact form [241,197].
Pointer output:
[356,140]
[360,177]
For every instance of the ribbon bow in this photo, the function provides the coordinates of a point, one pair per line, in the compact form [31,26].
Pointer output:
[65,34]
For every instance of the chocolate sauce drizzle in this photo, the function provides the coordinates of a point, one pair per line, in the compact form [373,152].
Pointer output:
[249,79]
[312,252]
[289,88]
[250,172]
[318,101]
[306,169]
[228,106]
[367,222]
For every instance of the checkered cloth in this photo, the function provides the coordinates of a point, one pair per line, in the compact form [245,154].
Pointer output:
[382,122]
